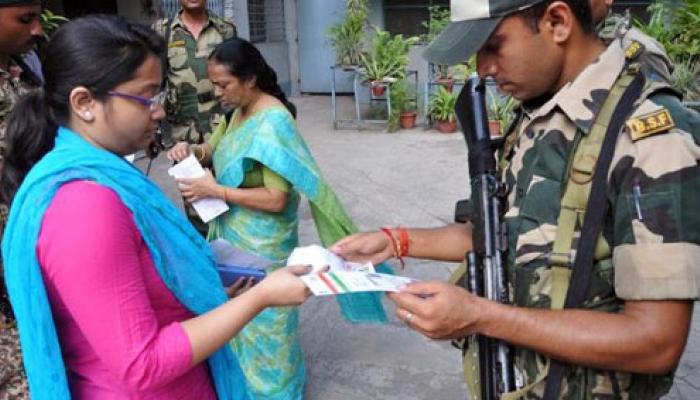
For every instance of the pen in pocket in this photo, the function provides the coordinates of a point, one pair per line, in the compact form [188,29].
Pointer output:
[637,193]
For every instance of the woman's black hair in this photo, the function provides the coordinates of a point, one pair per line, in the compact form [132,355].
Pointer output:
[99,52]
[244,61]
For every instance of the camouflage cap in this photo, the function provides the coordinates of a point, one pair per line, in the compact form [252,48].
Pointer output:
[473,21]
[8,3]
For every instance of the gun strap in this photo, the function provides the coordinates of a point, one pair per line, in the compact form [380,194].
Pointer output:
[591,187]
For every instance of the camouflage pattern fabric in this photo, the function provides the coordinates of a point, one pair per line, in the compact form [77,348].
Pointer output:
[13,384]
[191,107]
[12,86]
[650,192]
[654,57]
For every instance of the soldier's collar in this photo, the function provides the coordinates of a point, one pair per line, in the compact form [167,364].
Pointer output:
[582,98]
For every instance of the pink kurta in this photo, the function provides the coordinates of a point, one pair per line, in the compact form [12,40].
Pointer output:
[118,324]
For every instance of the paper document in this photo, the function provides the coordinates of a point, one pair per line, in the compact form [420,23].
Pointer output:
[318,257]
[332,283]
[208,208]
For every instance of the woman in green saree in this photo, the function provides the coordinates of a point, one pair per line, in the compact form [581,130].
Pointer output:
[262,165]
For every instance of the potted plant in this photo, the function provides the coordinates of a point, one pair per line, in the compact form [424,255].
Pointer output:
[500,110]
[403,106]
[386,61]
[442,109]
[676,26]
[347,37]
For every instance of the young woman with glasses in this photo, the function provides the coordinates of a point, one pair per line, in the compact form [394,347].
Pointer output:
[115,293]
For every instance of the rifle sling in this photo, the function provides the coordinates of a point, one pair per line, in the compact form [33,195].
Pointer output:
[596,209]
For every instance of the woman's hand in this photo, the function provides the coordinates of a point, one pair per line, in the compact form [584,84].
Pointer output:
[179,152]
[363,247]
[199,188]
[240,286]
[283,287]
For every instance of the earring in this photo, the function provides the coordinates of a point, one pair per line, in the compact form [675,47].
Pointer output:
[87,115]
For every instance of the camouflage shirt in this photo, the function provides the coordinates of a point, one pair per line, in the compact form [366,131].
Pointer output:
[191,107]
[654,184]
[12,87]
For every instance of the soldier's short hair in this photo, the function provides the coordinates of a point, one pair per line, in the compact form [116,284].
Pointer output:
[580,8]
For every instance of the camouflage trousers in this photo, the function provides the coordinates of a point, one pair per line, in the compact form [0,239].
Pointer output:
[13,384]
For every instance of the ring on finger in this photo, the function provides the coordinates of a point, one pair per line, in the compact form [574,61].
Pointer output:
[408,318]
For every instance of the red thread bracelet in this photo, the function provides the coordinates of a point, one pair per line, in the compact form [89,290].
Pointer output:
[403,241]
[395,245]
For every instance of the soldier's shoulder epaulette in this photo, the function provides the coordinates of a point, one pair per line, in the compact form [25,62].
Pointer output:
[634,50]
[225,27]
[159,25]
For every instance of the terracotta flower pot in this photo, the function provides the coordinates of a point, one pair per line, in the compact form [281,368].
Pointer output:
[447,126]
[447,83]
[494,128]
[408,120]
[378,89]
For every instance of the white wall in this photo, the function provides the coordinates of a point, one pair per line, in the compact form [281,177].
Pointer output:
[277,56]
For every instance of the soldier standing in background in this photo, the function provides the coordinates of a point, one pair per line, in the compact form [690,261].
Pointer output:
[20,28]
[191,109]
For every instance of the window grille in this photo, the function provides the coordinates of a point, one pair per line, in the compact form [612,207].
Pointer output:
[266,20]
[407,16]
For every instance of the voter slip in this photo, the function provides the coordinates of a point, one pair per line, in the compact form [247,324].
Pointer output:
[338,282]
[207,208]
[319,258]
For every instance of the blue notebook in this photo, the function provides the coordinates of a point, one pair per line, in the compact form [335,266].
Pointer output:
[230,273]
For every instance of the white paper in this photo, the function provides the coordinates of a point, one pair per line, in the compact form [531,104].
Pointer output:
[333,283]
[227,254]
[207,208]
[319,257]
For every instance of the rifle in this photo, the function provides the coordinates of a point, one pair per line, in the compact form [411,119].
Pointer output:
[485,270]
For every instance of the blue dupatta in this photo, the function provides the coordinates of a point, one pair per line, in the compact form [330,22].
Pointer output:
[182,258]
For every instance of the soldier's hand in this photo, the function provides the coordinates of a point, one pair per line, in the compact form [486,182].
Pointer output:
[363,247]
[438,310]
[179,152]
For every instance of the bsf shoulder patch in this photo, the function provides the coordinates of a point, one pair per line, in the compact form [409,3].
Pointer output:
[650,124]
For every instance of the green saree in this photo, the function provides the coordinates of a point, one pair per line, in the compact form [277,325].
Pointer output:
[268,347]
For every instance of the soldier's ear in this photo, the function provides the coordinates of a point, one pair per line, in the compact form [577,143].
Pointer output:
[558,21]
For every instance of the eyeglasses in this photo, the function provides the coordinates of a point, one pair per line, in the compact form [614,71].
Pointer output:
[153,103]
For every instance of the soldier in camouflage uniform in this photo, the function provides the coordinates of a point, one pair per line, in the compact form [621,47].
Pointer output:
[628,337]
[191,108]
[19,30]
